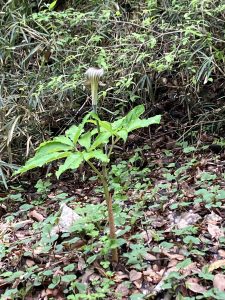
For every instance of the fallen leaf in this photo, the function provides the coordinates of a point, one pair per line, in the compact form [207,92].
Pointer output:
[134,275]
[216,265]
[212,218]
[190,269]
[186,219]
[215,231]
[138,283]
[120,276]
[221,253]
[149,257]
[173,256]
[147,235]
[219,282]
[193,285]
[36,216]
[30,262]
[122,289]
[22,224]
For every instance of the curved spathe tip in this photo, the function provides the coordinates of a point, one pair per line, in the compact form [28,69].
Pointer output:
[94,73]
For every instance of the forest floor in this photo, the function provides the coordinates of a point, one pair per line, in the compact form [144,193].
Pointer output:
[169,208]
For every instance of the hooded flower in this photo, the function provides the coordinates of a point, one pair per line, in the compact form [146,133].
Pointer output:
[94,75]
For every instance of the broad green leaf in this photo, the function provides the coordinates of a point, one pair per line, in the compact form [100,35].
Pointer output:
[74,132]
[135,113]
[106,126]
[73,161]
[123,134]
[40,160]
[51,147]
[102,138]
[64,140]
[85,140]
[98,154]
[138,123]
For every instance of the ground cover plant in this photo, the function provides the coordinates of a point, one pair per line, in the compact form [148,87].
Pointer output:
[168,55]
[169,220]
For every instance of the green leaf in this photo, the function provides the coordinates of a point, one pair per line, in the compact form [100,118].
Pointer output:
[64,140]
[98,154]
[68,278]
[51,147]
[183,264]
[40,160]
[85,140]
[74,133]
[52,5]
[138,123]
[102,138]
[123,134]
[73,161]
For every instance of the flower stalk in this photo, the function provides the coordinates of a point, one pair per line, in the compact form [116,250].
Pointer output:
[94,75]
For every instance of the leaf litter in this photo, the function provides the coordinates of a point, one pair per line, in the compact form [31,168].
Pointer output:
[170,226]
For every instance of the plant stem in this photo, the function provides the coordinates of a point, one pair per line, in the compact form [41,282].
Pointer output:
[108,198]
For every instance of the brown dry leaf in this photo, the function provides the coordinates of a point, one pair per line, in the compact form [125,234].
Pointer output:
[134,275]
[212,218]
[120,276]
[149,257]
[190,269]
[193,285]
[149,272]
[22,224]
[122,289]
[215,231]
[172,263]
[173,256]
[219,282]
[147,235]
[86,276]
[30,262]
[81,265]
[36,216]
[221,253]
[186,219]
[138,283]
[216,265]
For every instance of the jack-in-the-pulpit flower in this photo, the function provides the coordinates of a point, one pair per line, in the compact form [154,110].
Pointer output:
[94,75]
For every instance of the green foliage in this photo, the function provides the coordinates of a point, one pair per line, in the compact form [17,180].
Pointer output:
[78,146]
[176,46]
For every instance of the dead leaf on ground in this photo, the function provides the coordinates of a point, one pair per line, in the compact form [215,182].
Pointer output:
[122,289]
[173,256]
[150,257]
[221,253]
[190,269]
[147,235]
[193,285]
[36,216]
[219,282]
[134,275]
[212,218]
[216,265]
[186,219]
[215,231]
[120,276]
